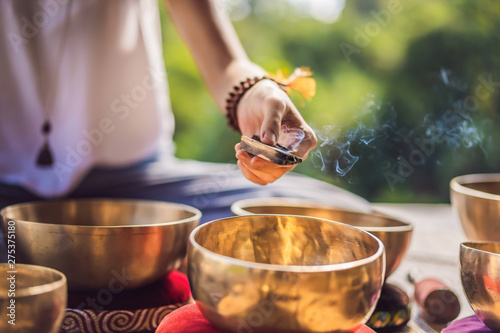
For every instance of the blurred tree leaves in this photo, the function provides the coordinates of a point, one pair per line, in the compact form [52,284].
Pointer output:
[412,62]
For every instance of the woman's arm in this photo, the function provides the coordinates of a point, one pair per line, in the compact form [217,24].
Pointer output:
[214,45]
[264,109]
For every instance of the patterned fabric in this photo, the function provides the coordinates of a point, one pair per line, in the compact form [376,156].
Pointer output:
[119,321]
[137,310]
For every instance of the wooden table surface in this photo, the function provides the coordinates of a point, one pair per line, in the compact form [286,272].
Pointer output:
[434,252]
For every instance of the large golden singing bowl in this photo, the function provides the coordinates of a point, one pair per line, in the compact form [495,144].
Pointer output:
[273,273]
[32,299]
[102,243]
[476,199]
[395,234]
[480,274]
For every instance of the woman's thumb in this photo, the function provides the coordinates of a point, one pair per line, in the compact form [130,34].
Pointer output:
[271,125]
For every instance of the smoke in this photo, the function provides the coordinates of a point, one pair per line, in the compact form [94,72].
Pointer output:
[340,148]
[378,139]
[292,137]
[454,133]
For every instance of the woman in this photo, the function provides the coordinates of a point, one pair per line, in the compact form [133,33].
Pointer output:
[85,110]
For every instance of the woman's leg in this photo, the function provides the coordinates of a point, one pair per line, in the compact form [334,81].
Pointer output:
[210,187]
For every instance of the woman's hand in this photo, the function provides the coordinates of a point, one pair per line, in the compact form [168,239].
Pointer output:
[267,111]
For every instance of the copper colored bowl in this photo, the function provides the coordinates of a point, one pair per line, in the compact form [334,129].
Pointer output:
[32,299]
[476,200]
[480,275]
[274,273]
[102,243]
[395,234]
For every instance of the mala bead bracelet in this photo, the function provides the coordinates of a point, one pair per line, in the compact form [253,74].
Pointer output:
[299,81]
[235,96]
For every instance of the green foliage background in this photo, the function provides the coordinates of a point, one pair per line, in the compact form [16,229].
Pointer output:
[392,91]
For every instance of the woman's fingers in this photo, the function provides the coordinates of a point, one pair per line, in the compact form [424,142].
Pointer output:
[249,175]
[259,170]
[267,111]
[297,134]
[274,108]
[261,109]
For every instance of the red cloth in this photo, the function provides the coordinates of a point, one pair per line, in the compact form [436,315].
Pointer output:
[188,319]
[172,289]
[470,324]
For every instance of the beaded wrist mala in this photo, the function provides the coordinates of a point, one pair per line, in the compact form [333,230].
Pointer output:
[299,81]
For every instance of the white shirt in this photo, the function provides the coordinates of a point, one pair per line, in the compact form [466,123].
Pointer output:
[111,105]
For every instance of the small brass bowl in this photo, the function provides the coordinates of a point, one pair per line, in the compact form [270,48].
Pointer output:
[102,243]
[476,200]
[32,299]
[274,273]
[395,234]
[480,275]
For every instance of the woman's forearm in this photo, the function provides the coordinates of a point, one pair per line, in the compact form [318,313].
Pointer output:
[211,38]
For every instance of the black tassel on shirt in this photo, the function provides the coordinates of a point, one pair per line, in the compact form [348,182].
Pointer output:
[45,157]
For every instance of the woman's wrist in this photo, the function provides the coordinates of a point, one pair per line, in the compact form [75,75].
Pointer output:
[299,81]
[236,94]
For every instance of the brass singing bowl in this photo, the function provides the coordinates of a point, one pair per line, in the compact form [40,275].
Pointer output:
[276,273]
[103,243]
[395,234]
[32,299]
[476,200]
[480,275]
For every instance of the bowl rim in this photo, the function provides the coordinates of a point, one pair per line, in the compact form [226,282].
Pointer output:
[290,268]
[237,209]
[468,246]
[38,289]
[456,184]
[196,212]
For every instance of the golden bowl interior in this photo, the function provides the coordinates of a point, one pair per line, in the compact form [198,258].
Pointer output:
[476,200]
[32,297]
[97,242]
[279,242]
[306,274]
[394,233]
[480,276]
[486,187]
